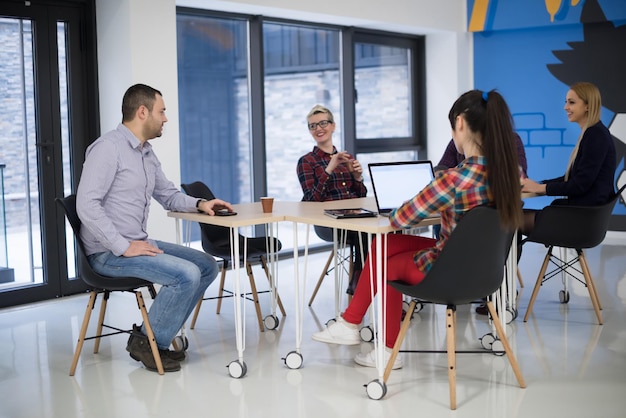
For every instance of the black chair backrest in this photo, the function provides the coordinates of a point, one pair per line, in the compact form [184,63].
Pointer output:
[568,226]
[87,274]
[471,264]
[215,239]
[69,207]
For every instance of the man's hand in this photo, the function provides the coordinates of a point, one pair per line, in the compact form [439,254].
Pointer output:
[137,248]
[210,206]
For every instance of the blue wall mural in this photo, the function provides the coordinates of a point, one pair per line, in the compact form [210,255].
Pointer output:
[531,51]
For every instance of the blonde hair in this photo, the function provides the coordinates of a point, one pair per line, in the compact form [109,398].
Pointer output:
[320,109]
[588,93]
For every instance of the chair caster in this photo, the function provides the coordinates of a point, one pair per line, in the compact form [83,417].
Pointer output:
[405,308]
[418,307]
[367,334]
[510,314]
[376,389]
[293,360]
[180,343]
[271,322]
[487,341]
[563,296]
[237,369]
[497,348]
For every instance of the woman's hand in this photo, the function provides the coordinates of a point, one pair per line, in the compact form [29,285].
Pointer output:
[531,186]
[355,167]
[338,158]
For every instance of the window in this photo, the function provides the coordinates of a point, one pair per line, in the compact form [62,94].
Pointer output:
[247,83]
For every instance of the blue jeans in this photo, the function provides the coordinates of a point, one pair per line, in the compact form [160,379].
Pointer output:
[184,274]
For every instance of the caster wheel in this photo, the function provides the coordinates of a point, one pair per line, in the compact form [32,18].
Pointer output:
[498,348]
[366,334]
[405,306]
[418,307]
[563,296]
[180,343]
[376,389]
[293,360]
[237,369]
[510,315]
[487,341]
[271,322]
[330,322]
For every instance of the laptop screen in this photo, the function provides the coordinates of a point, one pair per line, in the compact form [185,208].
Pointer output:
[395,183]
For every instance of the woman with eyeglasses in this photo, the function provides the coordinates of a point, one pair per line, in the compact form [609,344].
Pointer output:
[328,174]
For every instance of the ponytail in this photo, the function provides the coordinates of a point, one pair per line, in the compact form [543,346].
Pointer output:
[488,115]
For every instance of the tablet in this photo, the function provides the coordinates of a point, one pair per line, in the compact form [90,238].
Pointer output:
[224,212]
[350,213]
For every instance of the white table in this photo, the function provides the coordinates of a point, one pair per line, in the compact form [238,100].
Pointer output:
[248,214]
[312,213]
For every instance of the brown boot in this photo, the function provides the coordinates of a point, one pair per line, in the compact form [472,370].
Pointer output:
[139,349]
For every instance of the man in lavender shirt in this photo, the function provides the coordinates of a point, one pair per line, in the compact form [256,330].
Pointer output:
[121,174]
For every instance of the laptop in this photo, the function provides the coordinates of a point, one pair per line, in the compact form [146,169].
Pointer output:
[396,182]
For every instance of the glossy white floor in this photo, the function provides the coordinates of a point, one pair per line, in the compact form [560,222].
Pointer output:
[573,367]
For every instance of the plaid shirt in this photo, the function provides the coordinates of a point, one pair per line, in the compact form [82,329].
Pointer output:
[453,192]
[318,186]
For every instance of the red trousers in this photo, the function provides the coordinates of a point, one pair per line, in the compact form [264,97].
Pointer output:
[400,266]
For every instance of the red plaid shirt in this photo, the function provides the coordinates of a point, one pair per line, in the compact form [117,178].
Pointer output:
[453,192]
[318,186]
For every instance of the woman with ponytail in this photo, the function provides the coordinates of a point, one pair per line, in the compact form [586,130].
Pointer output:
[588,178]
[482,131]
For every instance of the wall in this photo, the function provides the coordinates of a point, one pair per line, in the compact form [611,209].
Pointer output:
[137,43]
[532,53]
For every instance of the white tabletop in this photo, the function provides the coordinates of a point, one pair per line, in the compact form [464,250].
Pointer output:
[311,213]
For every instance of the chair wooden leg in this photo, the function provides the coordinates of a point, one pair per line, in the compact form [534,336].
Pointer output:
[519,278]
[542,272]
[255,296]
[451,346]
[220,293]
[83,330]
[269,279]
[591,287]
[322,276]
[150,334]
[507,347]
[195,314]
[396,347]
[103,309]
[585,266]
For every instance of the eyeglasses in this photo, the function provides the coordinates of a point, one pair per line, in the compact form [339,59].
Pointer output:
[321,124]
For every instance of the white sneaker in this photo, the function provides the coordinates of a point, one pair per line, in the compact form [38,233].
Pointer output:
[369,359]
[339,332]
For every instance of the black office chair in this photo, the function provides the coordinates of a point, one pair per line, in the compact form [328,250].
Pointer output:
[106,286]
[470,267]
[576,227]
[216,241]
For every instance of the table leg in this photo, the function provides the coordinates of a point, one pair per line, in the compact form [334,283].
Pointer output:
[238,368]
